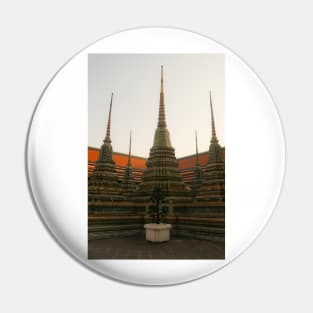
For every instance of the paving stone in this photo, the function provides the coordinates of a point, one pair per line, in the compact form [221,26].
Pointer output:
[139,248]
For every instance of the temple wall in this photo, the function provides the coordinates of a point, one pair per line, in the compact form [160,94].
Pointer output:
[122,219]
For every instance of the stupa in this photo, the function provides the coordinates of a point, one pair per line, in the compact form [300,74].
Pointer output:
[213,183]
[128,183]
[162,166]
[197,177]
[103,182]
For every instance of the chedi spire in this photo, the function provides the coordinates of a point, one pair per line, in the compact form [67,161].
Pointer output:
[129,149]
[162,118]
[108,133]
[162,136]
[162,166]
[103,182]
[213,138]
[197,152]
[128,182]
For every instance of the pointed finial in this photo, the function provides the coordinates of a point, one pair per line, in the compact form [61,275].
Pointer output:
[108,133]
[213,138]
[161,122]
[197,153]
[162,78]
[130,149]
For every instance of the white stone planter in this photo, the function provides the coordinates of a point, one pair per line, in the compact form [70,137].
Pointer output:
[158,232]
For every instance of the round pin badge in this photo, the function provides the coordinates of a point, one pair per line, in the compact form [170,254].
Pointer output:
[155,156]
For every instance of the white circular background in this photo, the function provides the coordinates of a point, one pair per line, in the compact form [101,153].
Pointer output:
[255,157]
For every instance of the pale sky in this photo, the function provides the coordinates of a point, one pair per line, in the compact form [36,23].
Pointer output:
[135,81]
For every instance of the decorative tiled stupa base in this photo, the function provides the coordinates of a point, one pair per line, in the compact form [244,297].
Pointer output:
[158,232]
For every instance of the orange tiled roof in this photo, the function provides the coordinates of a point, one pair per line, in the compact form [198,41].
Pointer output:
[190,161]
[121,159]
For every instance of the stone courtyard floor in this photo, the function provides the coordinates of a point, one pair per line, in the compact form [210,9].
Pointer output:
[139,248]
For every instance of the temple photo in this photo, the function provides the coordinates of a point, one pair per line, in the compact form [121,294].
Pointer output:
[156,156]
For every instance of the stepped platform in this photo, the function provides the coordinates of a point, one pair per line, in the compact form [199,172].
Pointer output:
[203,224]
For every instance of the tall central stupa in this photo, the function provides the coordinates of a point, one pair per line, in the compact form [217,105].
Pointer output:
[162,166]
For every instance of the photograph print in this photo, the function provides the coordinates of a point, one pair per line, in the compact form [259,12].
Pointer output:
[156,156]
